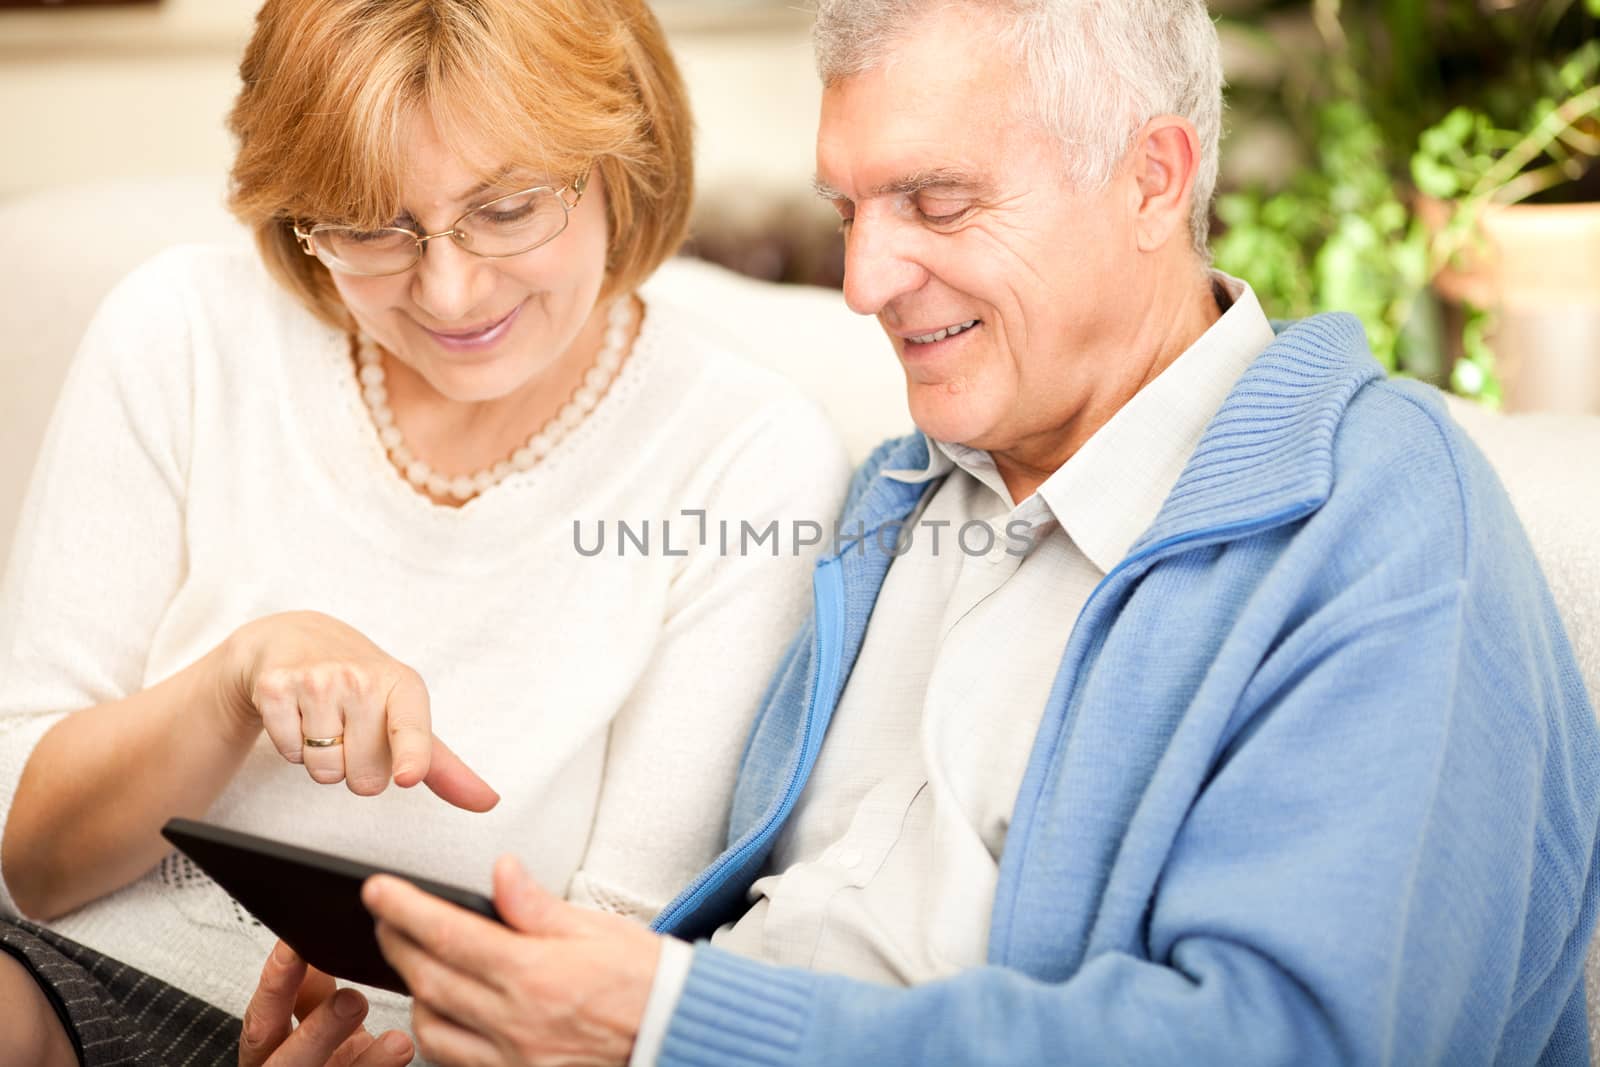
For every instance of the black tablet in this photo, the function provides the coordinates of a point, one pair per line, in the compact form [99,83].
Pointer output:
[310,899]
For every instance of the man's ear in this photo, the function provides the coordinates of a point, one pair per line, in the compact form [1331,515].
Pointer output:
[1164,161]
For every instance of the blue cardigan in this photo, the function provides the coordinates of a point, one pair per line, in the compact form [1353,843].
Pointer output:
[1317,781]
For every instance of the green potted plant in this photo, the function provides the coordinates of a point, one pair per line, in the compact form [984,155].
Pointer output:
[1424,122]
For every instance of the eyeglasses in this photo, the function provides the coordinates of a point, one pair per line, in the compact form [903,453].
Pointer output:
[507,226]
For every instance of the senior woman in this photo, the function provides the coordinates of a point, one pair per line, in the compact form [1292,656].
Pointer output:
[304,524]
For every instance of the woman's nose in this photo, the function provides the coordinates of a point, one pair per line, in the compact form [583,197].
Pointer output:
[449,282]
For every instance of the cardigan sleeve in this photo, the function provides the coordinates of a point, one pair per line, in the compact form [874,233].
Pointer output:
[100,546]
[1346,888]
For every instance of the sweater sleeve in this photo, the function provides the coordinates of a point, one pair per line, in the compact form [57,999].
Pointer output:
[675,744]
[1353,884]
[99,550]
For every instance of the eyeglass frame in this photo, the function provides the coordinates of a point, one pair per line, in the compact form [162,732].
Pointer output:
[576,187]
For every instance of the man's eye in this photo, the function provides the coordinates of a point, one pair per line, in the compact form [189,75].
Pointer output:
[941,212]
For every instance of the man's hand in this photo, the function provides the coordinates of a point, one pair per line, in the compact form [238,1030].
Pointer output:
[563,985]
[330,1034]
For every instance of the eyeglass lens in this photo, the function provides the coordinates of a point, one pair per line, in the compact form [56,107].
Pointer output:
[505,227]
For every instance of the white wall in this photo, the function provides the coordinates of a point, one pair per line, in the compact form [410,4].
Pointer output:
[143,93]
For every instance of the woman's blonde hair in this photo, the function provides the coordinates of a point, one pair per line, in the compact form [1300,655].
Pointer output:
[560,86]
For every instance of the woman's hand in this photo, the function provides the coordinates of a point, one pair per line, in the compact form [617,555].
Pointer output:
[87,814]
[563,985]
[307,678]
[330,1031]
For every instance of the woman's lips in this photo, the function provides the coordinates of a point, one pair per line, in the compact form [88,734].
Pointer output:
[478,340]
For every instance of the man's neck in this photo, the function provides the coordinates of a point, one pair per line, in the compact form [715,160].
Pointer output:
[1161,340]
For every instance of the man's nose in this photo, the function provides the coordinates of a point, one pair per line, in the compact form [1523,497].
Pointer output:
[449,281]
[879,264]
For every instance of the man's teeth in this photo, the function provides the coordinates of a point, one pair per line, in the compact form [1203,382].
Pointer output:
[940,335]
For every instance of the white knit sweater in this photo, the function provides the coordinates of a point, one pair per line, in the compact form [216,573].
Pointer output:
[210,462]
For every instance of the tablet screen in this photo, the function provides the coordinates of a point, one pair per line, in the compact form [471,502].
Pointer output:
[310,899]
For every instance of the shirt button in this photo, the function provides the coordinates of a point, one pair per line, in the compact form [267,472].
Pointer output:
[850,859]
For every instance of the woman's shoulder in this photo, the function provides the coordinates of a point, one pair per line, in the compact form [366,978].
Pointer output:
[716,428]
[702,409]
[712,375]
[200,291]
[204,302]
[154,308]
[207,276]
[206,322]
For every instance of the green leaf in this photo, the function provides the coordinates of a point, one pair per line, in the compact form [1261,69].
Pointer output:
[1459,123]
[1435,141]
[1389,217]
[1433,177]
[1236,209]
[1593,7]
[1577,71]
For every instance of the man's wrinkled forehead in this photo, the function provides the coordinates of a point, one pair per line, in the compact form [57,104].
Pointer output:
[938,113]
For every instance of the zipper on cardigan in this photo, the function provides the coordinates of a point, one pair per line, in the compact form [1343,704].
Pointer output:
[828,603]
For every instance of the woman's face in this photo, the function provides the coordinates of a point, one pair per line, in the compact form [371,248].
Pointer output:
[479,329]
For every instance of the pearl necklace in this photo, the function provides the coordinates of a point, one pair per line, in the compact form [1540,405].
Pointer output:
[466,486]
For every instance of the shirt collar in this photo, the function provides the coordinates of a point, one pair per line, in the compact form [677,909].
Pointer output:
[939,464]
[1113,487]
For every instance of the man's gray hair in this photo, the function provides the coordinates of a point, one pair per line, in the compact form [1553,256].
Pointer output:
[1097,70]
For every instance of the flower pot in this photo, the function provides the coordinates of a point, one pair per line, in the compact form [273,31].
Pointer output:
[1537,267]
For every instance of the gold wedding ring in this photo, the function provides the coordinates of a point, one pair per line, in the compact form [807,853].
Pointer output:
[322,742]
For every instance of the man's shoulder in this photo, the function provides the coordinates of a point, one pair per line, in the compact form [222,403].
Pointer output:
[1415,506]
[1386,428]
[1393,429]
[1383,478]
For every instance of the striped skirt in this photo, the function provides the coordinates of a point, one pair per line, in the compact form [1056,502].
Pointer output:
[118,1016]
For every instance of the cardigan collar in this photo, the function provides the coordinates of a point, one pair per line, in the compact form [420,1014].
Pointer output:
[1267,452]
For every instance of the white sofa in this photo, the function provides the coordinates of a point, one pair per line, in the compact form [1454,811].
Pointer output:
[68,246]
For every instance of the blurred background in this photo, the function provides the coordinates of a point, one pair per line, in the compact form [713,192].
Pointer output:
[1429,165]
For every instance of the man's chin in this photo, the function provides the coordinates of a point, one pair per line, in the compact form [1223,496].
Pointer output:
[947,414]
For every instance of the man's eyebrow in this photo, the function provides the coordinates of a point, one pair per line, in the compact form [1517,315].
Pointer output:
[938,178]
[826,191]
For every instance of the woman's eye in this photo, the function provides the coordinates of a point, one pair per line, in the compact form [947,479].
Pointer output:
[509,214]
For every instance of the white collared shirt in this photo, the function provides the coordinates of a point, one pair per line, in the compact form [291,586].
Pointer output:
[886,871]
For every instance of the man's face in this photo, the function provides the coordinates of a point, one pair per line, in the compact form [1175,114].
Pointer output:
[958,218]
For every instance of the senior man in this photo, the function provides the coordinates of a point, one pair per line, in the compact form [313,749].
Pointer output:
[1265,748]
